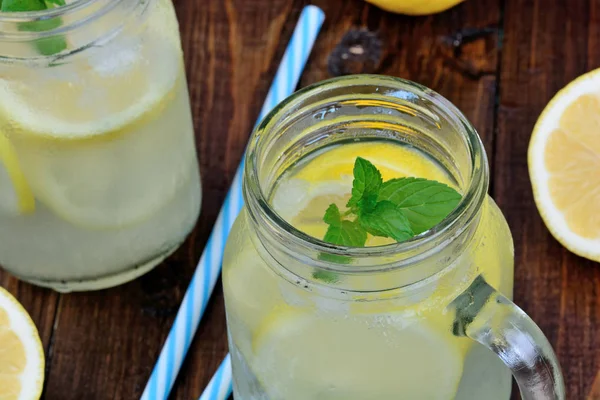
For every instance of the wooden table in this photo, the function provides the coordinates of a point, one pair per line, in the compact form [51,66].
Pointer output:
[515,55]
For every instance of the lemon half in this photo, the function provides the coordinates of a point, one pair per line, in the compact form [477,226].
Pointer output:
[415,7]
[21,352]
[564,165]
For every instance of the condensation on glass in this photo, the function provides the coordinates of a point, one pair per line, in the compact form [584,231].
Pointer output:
[99,176]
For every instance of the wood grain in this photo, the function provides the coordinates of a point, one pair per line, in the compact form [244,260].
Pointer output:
[518,53]
[544,48]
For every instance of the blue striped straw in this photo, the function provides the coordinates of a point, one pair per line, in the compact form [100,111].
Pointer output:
[219,387]
[208,269]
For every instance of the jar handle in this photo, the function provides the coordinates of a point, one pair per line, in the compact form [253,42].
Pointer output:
[486,316]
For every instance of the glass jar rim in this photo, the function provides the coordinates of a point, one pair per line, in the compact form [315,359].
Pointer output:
[114,13]
[419,246]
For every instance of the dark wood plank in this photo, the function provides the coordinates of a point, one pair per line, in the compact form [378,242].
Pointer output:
[417,48]
[547,45]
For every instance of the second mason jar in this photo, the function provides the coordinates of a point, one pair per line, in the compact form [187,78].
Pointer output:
[420,319]
[98,170]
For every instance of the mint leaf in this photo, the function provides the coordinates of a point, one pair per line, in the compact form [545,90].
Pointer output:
[387,220]
[49,45]
[28,5]
[45,46]
[367,203]
[22,5]
[332,215]
[327,276]
[425,203]
[348,233]
[366,184]
[397,209]
[343,233]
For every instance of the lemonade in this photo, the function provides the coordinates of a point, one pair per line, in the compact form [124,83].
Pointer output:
[359,350]
[98,172]
[419,319]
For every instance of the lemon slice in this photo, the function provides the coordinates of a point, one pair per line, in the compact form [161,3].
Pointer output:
[564,165]
[15,195]
[21,353]
[97,94]
[305,355]
[106,144]
[327,178]
[119,180]
[392,160]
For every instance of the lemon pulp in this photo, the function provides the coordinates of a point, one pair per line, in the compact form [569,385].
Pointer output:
[564,165]
[21,354]
[573,161]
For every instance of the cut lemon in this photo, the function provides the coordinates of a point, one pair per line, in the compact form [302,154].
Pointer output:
[21,353]
[415,7]
[304,355]
[564,165]
[15,195]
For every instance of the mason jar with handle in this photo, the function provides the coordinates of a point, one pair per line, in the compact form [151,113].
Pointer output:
[428,318]
[99,178]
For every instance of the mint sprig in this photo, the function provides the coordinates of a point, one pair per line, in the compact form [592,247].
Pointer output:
[343,232]
[399,209]
[22,5]
[45,46]
[425,203]
[386,219]
[365,187]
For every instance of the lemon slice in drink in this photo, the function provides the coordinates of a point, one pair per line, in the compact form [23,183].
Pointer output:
[21,353]
[104,143]
[15,195]
[327,178]
[392,160]
[304,355]
[564,165]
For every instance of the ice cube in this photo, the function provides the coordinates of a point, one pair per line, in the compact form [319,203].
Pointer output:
[290,197]
[118,60]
